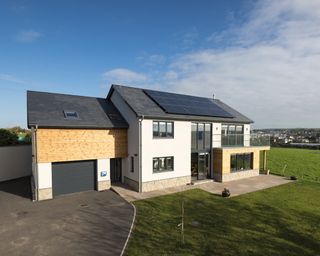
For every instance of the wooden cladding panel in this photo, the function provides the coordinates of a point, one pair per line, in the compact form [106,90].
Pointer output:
[56,145]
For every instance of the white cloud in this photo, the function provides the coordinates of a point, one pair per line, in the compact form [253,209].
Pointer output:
[28,36]
[269,68]
[123,76]
[10,78]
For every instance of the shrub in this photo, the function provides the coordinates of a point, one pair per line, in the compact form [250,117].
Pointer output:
[7,138]
[225,192]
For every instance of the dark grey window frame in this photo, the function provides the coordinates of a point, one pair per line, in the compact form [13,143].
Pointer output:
[237,158]
[203,137]
[237,139]
[166,132]
[166,169]
[70,114]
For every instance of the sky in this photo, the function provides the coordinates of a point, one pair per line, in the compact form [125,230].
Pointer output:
[260,57]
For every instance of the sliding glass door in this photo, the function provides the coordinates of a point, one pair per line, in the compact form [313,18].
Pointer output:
[200,166]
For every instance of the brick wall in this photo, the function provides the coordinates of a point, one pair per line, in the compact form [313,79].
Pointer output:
[56,145]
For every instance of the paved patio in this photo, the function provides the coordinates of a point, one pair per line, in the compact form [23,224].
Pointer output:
[237,187]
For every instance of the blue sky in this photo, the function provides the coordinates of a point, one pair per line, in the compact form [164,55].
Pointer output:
[246,52]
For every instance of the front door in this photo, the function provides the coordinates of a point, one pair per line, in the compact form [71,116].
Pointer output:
[200,166]
[115,169]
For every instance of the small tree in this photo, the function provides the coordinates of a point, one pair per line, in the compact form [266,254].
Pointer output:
[7,138]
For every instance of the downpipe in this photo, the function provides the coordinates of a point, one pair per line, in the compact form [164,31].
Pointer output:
[140,153]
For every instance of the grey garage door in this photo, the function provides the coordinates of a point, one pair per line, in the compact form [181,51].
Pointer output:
[71,177]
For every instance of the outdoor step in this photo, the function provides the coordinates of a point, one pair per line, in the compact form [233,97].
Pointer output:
[198,182]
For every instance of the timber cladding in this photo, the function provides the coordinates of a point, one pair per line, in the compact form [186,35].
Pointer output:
[57,145]
[222,156]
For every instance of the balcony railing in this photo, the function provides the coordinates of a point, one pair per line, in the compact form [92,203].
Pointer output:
[240,140]
[232,140]
[259,139]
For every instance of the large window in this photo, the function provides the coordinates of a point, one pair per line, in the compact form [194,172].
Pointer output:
[163,164]
[241,162]
[200,136]
[232,135]
[162,129]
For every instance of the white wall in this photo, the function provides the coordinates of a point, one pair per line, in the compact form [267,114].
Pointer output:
[179,147]
[44,177]
[15,162]
[103,165]
[133,137]
[216,135]
[246,139]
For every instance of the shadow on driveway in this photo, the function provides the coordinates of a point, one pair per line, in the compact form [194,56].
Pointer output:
[19,187]
[86,223]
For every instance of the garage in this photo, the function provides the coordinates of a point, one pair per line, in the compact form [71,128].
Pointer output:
[71,177]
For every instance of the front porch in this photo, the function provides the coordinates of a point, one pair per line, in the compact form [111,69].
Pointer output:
[236,187]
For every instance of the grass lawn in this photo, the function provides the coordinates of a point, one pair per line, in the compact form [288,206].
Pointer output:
[283,220]
[304,163]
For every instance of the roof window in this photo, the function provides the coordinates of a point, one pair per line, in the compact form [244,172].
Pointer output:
[71,114]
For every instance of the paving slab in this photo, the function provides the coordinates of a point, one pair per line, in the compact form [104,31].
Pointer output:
[237,187]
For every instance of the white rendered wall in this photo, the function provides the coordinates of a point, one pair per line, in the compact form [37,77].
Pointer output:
[133,137]
[103,165]
[15,162]
[246,140]
[179,147]
[216,135]
[44,175]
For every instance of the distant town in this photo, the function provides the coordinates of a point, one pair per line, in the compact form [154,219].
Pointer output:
[298,137]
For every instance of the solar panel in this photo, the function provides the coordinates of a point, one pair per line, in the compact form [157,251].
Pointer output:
[173,103]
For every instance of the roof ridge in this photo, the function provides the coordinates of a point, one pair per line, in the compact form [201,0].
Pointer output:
[65,94]
[177,93]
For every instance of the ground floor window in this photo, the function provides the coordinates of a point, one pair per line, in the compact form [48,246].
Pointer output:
[163,164]
[241,162]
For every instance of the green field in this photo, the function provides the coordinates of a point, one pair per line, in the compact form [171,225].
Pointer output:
[279,221]
[303,163]
[283,220]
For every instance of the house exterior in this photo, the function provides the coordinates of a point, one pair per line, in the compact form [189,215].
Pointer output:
[147,139]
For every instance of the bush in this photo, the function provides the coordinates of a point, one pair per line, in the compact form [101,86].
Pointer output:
[8,138]
[225,192]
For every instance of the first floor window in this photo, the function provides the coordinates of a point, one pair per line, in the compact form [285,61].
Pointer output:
[163,164]
[162,129]
[239,162]
[231,135]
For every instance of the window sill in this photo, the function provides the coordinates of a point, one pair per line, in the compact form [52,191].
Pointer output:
[163,138]
[162,171]
[243,170]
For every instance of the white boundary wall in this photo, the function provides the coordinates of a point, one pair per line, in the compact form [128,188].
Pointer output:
[15,162]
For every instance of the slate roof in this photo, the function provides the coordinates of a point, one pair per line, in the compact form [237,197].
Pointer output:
[47,110]
[143,105]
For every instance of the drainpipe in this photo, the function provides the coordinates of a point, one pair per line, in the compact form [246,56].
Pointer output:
[140,153]
[35,157]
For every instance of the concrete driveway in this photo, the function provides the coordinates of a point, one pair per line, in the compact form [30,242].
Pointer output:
[87,223]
